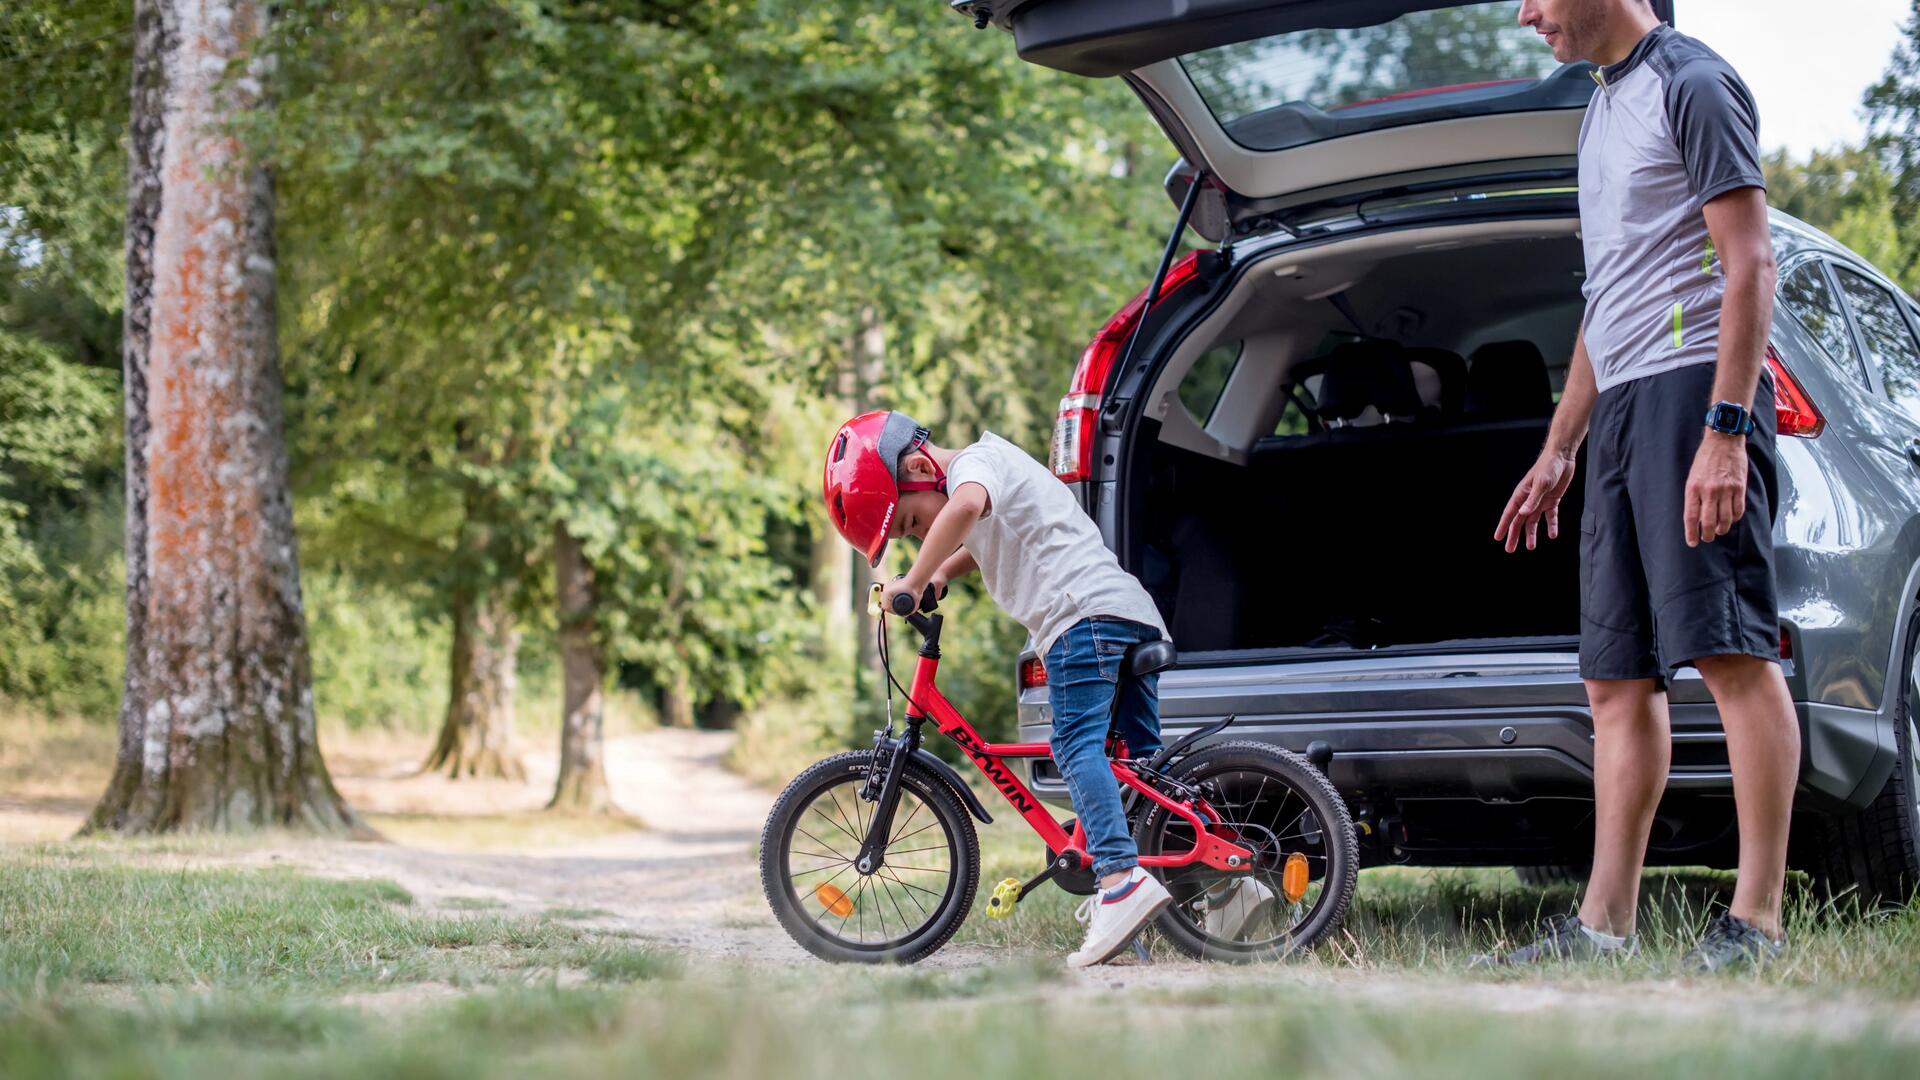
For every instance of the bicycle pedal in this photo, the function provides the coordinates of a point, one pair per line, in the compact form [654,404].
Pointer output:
[1006,896]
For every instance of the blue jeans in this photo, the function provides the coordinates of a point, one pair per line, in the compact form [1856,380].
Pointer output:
[1083,673]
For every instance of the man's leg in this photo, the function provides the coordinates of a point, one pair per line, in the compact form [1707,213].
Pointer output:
[1763,744]
[1632,748]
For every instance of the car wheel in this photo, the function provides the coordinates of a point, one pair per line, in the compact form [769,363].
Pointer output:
[1874,853]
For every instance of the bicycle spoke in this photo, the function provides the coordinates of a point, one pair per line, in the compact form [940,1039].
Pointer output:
[839,822]
[909,896]
[917,807]
[817,840]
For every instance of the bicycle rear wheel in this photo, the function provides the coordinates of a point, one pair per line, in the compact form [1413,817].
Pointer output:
[1285,811]
[909,905]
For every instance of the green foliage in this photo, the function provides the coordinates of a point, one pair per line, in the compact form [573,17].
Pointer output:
[378,660]
[1849,194]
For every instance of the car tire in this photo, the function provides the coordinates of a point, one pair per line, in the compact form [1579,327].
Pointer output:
[1874,854]
[1551,875]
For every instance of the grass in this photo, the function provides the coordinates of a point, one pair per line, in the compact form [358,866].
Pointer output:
[75,918]
[1428,923]
[879,1023]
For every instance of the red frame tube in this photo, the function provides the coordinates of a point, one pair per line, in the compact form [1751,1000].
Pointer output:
[1212,849]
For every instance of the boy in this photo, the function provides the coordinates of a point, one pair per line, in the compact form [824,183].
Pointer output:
[991,507]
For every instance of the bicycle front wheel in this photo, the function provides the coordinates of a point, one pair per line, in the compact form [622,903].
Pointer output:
[909,905]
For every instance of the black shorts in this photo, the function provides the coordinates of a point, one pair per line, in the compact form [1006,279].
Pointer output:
[1648,602]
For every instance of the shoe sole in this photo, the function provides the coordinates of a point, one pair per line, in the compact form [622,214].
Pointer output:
[1152,914]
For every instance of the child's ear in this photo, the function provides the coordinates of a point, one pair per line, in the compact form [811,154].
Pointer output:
[919,466]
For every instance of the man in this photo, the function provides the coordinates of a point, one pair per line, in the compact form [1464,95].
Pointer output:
[1668,379]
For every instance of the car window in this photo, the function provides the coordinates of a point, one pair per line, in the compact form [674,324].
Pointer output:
[1200,391]
[1310,84]
[1806,294]
[1888,337]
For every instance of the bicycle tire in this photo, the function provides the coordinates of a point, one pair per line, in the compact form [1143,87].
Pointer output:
[776,840]
[1335,824]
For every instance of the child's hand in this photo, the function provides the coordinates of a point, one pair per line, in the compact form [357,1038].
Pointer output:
[901,586]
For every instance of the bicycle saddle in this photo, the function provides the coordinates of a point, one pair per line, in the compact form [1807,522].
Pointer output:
[1148,657]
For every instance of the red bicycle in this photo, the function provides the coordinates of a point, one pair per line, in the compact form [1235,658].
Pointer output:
[871,856]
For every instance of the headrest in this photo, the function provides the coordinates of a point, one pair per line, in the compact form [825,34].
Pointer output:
[1363,373]
[1508,381]
[1450,370]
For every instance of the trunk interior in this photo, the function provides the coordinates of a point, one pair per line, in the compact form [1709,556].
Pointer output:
[1328,454]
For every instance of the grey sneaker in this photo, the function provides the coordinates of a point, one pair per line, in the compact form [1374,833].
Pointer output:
[1561,939]
[1730,944]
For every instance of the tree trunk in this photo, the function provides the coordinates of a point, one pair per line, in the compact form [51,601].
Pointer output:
[476,738]
[676,701]
[217,724]
[583,772]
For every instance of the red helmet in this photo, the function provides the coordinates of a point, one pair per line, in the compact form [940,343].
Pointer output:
[861,482]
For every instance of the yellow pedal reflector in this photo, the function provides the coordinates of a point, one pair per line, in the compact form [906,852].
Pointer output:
[1293,877]
[834,899]
[1006,896]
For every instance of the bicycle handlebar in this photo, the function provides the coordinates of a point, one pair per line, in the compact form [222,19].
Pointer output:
[903,604]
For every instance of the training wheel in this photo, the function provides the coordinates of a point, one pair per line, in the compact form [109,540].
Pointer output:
[1005,896]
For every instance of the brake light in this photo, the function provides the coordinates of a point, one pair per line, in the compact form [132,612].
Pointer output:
[1794,413]
[1072,455]
[1786,644]
[1033,673]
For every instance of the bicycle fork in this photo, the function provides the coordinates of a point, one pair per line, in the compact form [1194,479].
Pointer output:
[890,758]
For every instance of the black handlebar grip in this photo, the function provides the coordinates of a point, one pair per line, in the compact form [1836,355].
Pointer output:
[902,605]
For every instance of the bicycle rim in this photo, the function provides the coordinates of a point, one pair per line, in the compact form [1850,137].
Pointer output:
[1264,812]
[872,912]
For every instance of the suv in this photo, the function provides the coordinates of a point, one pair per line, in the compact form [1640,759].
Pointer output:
[1300,438]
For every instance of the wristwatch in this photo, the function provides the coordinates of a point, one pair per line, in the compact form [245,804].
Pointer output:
[1730,418]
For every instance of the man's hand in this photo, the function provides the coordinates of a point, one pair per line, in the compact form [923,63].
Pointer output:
[1716,487]
[1537,497]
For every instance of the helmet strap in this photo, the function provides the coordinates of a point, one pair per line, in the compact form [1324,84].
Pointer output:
[939,481]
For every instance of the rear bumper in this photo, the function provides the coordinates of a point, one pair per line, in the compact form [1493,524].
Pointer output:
[1497,730]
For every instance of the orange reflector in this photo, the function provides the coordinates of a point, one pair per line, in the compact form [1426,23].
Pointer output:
[840,905]
[1293,877]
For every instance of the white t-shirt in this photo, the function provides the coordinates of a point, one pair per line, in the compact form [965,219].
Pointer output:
[1041,556]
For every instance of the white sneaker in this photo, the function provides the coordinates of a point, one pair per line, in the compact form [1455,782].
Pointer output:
[1233,909]
[1114,915]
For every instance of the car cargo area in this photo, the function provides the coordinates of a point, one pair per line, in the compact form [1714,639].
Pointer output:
[1335,444]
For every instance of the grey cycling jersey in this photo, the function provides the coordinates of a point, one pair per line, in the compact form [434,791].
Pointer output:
[1670,128]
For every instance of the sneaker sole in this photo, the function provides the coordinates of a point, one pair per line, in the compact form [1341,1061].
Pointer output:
[1152,914]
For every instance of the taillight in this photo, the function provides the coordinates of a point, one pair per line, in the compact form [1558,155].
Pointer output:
[1786,644]
[1793,410]
[1033,673]
[1073,433]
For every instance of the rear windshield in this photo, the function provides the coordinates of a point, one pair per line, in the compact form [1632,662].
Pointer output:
[1301,87]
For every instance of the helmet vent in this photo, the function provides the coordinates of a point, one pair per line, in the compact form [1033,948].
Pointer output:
[840,507]
[840,450]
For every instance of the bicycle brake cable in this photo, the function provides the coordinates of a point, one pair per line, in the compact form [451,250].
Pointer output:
[886,665]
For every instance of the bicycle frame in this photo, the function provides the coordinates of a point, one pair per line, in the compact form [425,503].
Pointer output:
[1210,849]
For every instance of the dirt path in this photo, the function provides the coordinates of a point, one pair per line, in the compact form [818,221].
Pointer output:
[687,879]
